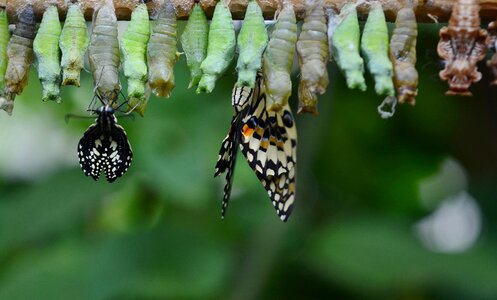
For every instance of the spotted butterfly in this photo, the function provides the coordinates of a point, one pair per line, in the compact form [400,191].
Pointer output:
[268,140]
[105,146]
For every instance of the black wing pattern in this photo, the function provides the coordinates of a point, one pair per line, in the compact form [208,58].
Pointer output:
[268,140]
[269,143]
[107,151]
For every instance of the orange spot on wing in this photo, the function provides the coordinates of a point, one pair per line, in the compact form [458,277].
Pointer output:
[247,131]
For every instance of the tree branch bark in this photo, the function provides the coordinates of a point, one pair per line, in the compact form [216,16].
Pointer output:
[439,9]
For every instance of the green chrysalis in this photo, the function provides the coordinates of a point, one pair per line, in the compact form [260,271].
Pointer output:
[162,54]
[47,54]
[73,43]
[278,58]
[134,51]
[103,52]
[346,40]
[194,42]
[312,50]
[374,46]
[20,56]
[252,41]
[4,39]
[221,48]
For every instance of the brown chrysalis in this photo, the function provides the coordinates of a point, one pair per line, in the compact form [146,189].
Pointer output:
[462,44]
[492,63]
[403,55]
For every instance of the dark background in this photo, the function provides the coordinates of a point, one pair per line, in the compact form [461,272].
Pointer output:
[403,208]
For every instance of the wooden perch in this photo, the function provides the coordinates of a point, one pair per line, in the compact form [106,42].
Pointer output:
[425,10]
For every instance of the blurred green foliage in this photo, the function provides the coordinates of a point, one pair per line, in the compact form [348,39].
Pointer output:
[156,233]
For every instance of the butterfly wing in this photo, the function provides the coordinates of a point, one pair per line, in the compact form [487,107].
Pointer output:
[118,153]
[227,155]
[107,150]
[90,159]
[269,143]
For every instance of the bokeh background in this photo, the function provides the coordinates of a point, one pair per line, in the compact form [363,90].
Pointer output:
[403,208]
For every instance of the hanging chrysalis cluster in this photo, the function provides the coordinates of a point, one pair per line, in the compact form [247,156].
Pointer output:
[20,55]
[74,40]
[252,41]
[345,41]
[47,54]
[312,49]
[403,55]
[492,62]
[374,46]
[278,58]
[268,140]
[162,53]
[220,50]
[133,52]
[194,41]
[103,52]
[4,39]
[462,45]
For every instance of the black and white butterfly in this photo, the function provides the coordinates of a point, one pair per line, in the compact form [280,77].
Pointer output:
[105,146]
[268,140]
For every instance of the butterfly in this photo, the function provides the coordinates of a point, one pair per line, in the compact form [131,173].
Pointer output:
[268,140]
[105,146]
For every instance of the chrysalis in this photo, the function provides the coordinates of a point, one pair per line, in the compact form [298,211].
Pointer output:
[20,55]
[162,54]
[134,51]
[403,55]
[312,49]
[374,46]
[194,42]
[278,58]
[492,63]
[345,43]
[47,54]
[252,41]
[221,48]
[73,43]
[4,39]
[268,141]
[333,21]
[462,45]
[20,51]
[103,52]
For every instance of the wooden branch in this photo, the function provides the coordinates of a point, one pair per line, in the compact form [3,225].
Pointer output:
[439,9]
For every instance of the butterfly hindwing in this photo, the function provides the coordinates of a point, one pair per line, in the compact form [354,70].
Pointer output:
[119,153]
[90,160]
